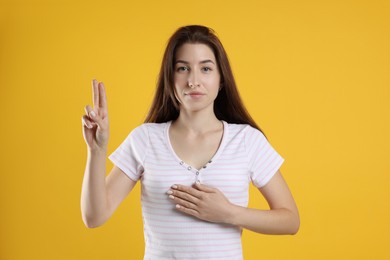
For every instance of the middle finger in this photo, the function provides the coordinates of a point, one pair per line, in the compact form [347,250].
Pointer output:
[185,196]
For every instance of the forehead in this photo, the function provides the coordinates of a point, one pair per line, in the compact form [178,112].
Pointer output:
[194,52]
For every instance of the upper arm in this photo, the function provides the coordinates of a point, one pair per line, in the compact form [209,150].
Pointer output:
[278,195]
[118,186]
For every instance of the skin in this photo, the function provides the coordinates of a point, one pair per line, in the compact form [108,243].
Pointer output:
[197,128]
[196,134]
[100,195]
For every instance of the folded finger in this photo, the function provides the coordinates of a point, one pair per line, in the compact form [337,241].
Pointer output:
[86,122]
[94,117]
[88,109]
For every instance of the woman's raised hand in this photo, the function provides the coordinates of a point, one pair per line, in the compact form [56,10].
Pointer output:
[95,122]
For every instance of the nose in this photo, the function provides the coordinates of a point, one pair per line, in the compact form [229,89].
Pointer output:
[193,80]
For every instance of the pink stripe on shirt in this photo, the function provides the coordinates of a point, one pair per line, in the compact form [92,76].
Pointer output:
[146,154]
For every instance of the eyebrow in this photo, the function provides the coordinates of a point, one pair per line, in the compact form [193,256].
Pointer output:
[202,62]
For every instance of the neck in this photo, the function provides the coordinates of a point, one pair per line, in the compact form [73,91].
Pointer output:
[197,122]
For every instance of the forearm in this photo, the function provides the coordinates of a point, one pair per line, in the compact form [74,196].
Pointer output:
[94,195]
[275,221]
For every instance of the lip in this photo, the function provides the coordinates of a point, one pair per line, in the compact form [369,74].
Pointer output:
[195,94]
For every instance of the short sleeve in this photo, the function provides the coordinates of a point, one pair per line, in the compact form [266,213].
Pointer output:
[264,161]
[130,155]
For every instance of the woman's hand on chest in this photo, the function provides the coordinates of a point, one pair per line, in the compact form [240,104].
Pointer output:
[202,201]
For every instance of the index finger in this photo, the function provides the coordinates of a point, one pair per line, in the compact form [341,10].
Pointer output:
[95,93]
[189,190]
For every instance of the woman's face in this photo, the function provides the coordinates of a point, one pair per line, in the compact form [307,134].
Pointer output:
[196,77]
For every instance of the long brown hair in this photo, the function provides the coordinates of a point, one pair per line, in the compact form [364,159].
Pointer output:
[228,105]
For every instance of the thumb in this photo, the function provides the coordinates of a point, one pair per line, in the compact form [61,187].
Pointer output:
[203,187]
[96,118]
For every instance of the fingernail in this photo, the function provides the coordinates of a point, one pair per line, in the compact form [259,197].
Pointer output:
[92,114]
[177,206]
[89,125]
[171,197]
[174,187]
[169,192]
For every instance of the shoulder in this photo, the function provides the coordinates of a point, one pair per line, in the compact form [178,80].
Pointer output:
[251,138]
[148,130]
[147,127]
[245,129]
[142,136]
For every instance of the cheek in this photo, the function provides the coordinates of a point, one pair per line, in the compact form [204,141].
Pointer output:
[216,83]
[179,82]
[178,89]
[178,86]
[217,78]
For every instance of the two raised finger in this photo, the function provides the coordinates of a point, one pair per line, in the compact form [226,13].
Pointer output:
[99,97]
[99,110]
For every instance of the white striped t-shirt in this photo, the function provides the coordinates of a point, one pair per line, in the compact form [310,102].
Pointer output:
[243,156]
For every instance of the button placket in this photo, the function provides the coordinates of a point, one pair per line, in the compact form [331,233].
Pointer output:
[197,177]
[193,170]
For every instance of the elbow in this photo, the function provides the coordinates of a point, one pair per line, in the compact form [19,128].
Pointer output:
[295,224]
[294,229]
[91,225]
[290,223]
[93,218]
[91,222]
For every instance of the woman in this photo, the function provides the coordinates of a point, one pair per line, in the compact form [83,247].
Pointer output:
[194,156]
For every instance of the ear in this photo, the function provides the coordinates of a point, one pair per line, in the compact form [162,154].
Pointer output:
[220,86]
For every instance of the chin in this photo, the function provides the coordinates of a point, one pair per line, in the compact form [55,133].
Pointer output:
[194,108]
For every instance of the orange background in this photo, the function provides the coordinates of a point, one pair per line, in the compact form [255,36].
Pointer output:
[314,75]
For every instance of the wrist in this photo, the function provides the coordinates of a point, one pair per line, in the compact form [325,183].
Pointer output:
[96,151]
[233,215]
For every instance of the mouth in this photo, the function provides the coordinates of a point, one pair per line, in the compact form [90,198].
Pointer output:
[195,94]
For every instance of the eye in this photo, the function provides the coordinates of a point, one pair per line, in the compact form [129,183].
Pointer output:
[182,69]
[206,69]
